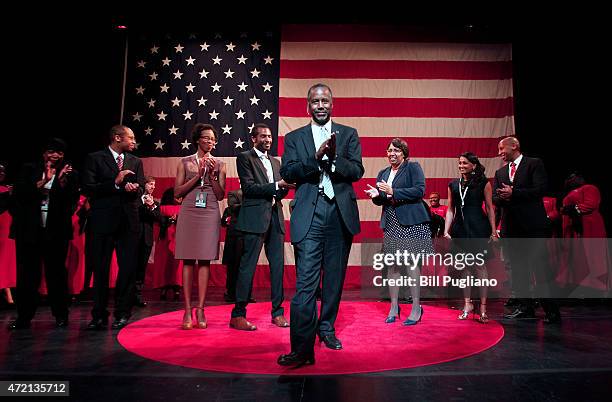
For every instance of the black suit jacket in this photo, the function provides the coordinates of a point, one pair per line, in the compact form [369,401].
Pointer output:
[27,199]
[257,193]
[524,214]
[109,205]
[300,166]
[148,218]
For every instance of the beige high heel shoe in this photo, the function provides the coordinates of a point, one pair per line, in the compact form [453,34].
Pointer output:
[467,309]
[187,324]
[202,324]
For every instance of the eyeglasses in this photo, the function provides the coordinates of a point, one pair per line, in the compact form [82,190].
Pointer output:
[208,139]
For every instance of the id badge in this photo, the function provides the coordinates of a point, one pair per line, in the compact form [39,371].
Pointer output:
[200,199]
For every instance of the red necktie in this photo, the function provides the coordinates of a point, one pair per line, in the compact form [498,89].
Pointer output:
[512,170]
[120,162]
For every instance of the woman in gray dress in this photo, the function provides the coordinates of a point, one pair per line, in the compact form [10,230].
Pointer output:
[405,221]
[200,180]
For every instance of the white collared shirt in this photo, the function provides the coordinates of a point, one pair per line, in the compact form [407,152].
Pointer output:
[264,158]
[516,162]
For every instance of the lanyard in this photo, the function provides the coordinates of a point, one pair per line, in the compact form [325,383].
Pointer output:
[205,169]
[462,195]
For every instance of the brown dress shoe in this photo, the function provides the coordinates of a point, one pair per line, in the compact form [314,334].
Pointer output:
[280,321]
[242,324]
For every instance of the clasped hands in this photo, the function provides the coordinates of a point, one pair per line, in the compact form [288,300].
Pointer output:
[382,185]
[327,148]
[129,187]
[505,192]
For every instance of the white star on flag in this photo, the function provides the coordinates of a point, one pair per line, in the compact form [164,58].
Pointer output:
[190,87]
[240,114]
[238,143]
[166,62]
[204,73]
[230,47]
[176,102]
[153,76]
[204,47]
[159,144]
[255,73]
[255,46]
[151,103]
[140,90]
[267,87]
[187,115]
[213,115]
[141,64]
[242,59]
[266,114]
[148,131]
[154,49]
[216,87]
[228,101]
[164,88]
[161,116]
[202,101]
[179,48]
[217,60]
[254,100]
[242,87]
[229,74]
[178,75]
[173,130]
[136,116]
[226,129]
[190,61]
[268,60]
[185,144]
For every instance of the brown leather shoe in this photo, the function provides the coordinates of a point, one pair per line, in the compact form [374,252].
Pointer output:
[280,321]
[242,324]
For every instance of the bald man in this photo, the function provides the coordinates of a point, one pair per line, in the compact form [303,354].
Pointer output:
[518,190]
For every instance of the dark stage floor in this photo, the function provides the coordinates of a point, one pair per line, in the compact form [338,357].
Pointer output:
[572,361]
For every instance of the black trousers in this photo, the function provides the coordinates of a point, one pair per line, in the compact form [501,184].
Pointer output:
[48,249]
[325,249]
[273,241]
[125,242]
[532,275]
[144,251]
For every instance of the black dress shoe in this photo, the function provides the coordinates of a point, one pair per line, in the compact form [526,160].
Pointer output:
[61,322]
[552,318]
[97,324]
[295,360]
[331,341]
[519,314]
[120,323]
[17,324]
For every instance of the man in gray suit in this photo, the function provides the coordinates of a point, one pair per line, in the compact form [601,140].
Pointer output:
[323,159]
[262,222]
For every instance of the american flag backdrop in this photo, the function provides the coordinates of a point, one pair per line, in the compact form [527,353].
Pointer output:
[443,98]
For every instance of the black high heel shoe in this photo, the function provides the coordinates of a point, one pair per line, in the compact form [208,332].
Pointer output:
[413,322]
[391,319]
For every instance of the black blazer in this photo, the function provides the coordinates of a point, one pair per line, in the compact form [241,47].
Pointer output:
[524,214]
[256,210]
[27,199]
[408,191]
[147,218]
[300,166]
[110,206]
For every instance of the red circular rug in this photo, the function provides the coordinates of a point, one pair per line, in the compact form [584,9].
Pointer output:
[369,344]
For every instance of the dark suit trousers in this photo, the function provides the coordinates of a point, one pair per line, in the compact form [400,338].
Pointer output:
[50,249]
[531,272]
[327,244]
[273,240]
[102,244]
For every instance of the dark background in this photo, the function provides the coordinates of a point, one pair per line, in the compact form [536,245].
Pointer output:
[65,71]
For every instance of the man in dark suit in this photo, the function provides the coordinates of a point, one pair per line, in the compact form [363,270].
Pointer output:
[113,180]
[518,190]
[45,197]
[323,159]
[148,212]
[262,222]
